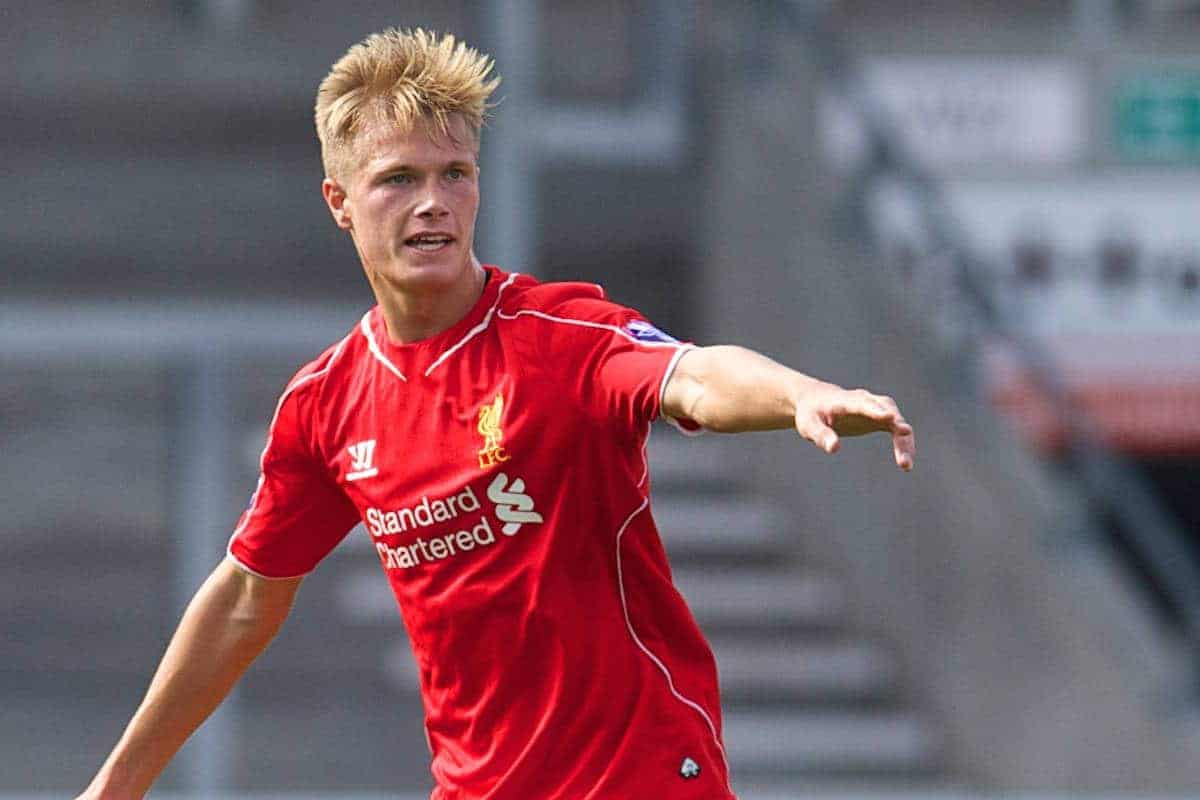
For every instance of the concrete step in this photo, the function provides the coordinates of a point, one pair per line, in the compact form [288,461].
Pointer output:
[85,659]
[803,670]
[887,787]
[53,593]
[741,598]
[678,461]
[829,742]
[700,525]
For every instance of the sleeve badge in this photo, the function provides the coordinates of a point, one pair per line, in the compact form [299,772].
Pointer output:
[645,332]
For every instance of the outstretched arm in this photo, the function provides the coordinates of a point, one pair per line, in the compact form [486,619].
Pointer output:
[229,622]
[732,389]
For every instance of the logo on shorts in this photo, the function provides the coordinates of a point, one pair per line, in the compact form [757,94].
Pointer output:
[362,458]
[689,769]
[492,452]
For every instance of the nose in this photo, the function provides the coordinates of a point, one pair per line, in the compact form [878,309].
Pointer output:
[431,205]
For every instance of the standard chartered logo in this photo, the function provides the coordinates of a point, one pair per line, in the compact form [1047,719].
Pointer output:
[513,507]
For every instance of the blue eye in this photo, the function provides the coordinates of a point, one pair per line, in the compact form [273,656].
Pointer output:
[399,177]
[455,174]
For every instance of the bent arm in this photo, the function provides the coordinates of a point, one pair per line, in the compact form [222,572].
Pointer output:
[229,622]
[731,389]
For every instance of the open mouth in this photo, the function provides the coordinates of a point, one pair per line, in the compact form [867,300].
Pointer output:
[429,242]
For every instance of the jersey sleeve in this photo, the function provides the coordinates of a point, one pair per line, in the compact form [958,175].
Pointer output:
[297,514]
[612,358]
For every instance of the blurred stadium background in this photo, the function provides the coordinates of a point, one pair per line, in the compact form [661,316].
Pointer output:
[989,209]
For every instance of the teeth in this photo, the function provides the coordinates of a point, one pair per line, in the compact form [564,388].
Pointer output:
[429,242]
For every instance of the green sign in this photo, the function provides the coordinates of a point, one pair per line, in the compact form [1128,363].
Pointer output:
[1158,116]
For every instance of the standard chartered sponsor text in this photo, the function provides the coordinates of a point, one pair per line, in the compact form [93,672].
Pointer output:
[473,532]
[435,548]
[422,514]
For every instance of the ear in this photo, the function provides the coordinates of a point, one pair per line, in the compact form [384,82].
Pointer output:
[335,198]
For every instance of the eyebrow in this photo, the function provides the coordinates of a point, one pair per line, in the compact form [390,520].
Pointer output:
[388,167]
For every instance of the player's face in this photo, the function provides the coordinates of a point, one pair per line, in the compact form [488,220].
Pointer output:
[411,206]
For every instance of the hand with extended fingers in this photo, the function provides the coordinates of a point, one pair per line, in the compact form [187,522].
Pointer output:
[826,413]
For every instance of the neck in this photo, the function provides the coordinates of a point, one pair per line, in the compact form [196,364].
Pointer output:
[413,315]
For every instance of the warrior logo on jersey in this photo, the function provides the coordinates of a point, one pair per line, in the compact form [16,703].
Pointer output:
[492,452]
[362,458]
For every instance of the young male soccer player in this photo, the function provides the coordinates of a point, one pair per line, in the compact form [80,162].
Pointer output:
[490,432]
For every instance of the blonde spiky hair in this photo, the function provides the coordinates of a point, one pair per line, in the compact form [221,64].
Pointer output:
[402,77]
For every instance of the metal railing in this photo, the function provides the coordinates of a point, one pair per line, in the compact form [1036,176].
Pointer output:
[1108,485]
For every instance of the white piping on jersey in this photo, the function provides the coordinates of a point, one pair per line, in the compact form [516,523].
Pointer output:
[587,324]
[645,504]
[487,319]
[645,460]
[662,388]
[373,346]
[262,461]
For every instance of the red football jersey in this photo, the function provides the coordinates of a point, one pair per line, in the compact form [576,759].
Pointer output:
[500,470]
